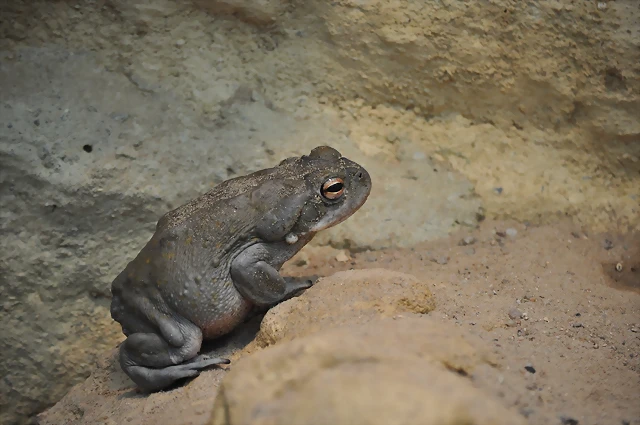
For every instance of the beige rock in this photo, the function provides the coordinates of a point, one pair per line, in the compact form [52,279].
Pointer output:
[350,297]
[387,371]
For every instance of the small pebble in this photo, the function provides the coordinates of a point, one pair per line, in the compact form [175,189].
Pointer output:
[526,412]
[468,240]
[497,190]
[619,267]
[119,117]
[577,325]
[530,369]
[342,257]
[607,244]
[470,251]
[418,156]
[514,314]
[525,316]
[440,260]
[511,232]
[566,420]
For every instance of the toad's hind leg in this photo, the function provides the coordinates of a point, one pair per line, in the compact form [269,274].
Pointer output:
[153,364]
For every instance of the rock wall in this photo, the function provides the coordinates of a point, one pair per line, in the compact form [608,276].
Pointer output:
[115,111]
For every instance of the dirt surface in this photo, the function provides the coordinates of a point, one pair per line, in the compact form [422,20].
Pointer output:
[579,318]
[548,301]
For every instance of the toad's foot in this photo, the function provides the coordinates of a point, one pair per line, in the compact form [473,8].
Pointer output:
[205,358]
[152,380]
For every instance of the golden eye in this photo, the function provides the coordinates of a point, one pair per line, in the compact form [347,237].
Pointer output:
[333,188]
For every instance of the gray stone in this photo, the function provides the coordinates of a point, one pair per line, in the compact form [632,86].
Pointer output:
[514,314]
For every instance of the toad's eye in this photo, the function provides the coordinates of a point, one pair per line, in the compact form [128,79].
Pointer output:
[333,188]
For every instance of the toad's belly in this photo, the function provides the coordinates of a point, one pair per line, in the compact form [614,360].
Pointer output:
[216,309]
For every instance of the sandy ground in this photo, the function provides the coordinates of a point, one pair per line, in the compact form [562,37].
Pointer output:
[549,299]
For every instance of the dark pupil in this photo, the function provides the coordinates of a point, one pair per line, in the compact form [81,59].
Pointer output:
[336,187]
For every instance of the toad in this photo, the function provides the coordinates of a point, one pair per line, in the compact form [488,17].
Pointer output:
[214,259]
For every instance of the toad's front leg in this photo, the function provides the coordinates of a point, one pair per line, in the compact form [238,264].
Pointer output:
[255,275]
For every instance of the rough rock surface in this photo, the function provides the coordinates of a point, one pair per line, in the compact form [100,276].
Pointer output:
[393,371]
[113,112]
[346,298]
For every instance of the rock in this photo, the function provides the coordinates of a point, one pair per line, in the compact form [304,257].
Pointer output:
[514,314]
[467,240]
[568,420]
[405,370]
[511,232]
[440,259]
[349,297]
[607,244]
[342,257]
